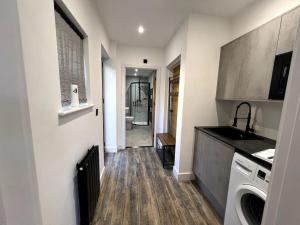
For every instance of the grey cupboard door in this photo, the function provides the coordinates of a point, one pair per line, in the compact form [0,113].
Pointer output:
[231,60]
[212,165]
[288,31]
[257,67]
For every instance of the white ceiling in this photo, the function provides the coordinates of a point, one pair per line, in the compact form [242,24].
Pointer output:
[161,18]
[141,72]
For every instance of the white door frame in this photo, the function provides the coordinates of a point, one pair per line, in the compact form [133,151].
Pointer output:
[282,205]
[123,98]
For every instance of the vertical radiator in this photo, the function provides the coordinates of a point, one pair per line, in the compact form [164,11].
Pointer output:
[88,185]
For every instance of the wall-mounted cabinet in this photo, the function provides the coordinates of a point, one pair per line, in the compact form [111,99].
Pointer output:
[246,64]
[288,31]
[229,69]
[256,72]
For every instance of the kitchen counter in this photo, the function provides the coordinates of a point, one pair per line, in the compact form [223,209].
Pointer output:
[244,147]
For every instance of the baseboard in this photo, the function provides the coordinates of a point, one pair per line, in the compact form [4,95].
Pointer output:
[101,174]
[181,177]
[219,210]
[111,149]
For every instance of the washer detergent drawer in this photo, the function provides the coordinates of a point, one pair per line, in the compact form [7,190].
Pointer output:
[244,167]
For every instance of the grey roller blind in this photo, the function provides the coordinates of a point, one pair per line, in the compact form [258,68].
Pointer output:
[71,63]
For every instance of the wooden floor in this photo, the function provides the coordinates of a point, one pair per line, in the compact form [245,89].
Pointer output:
[136,190]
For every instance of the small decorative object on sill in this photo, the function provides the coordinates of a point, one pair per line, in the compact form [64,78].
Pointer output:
[74,96]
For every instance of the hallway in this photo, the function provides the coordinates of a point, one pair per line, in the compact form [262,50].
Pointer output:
[136,190]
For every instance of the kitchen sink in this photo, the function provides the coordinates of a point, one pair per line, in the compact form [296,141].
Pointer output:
[233,133]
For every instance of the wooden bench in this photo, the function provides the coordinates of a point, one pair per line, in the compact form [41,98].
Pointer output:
[165,147]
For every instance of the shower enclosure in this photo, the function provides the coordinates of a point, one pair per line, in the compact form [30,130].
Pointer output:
[138,101]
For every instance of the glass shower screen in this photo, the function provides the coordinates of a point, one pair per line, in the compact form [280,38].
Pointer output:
[139,93]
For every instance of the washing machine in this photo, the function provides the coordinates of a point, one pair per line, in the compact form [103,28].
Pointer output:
[247,192]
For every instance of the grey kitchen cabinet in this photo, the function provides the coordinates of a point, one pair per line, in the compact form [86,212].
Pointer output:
[231,61]
[212,165]
[257,68]
[288,31]
[246,64]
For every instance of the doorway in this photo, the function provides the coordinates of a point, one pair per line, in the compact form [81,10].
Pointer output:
[140,106]
[109,104]
[174,81]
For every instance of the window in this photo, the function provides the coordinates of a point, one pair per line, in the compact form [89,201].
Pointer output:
[70,57]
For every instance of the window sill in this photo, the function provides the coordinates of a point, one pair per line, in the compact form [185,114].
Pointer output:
[70,110]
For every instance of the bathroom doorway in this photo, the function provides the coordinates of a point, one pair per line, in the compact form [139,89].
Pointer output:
[140,106]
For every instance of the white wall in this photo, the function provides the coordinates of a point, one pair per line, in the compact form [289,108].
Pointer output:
[19,200]
[176,47]
[268,114]
[198,43]
[200,30]
[197,106]
[129,56]
[59,143]
[110,108]
[259,13]
[176,50]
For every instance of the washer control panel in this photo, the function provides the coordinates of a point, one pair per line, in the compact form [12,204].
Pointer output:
[261,174]
[262,177]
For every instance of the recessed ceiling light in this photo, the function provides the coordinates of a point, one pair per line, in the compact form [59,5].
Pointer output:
[141,29]
[136,70]
[135,74]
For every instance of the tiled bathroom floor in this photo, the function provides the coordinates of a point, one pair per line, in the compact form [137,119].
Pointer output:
[139,136]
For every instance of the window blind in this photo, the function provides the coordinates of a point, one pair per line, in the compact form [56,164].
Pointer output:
[71,61]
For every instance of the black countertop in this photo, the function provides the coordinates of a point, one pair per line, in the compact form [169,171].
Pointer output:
[244,147]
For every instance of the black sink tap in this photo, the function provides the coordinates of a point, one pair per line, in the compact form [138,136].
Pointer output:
[248,129]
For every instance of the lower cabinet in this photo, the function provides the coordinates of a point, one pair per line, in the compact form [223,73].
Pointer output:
[212,165]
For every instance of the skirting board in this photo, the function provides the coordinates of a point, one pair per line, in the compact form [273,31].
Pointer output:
[181,177]
[101,175]
[111,149]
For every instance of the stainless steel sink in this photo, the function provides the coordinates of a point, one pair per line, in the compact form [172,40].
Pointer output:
[233,133]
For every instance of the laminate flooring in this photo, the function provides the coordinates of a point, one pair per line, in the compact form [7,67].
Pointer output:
[136,190]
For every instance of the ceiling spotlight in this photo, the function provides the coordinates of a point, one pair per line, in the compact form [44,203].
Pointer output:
[135,74]
[136,70]
[141,29]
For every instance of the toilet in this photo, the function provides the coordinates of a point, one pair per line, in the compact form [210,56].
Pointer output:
[129,120]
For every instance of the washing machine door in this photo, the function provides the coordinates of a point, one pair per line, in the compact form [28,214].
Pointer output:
[250,203]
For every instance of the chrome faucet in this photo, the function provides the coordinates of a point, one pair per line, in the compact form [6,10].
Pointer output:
[248,129]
